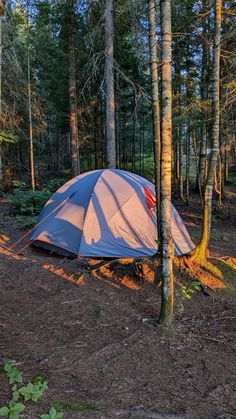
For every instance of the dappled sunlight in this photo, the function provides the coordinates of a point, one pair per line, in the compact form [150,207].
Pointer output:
[4,239]
[191,224]
[208,275]
[78,279]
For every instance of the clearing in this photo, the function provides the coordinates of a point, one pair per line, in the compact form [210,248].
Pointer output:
[92,336]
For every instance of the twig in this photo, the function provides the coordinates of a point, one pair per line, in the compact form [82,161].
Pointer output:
[208,338]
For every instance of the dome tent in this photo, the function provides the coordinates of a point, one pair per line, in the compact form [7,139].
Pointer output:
[105,213]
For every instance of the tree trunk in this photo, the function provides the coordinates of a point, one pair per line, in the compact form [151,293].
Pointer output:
[31,145]
[110,90]
[166,133]
[155,102]
[201,175]
[200,251]
[1,15]
[187,165]
[74,142]
[181,175]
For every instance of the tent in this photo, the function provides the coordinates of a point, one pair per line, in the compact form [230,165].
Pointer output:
[105,213]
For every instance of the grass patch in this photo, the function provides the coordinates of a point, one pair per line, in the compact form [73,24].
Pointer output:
[68,406]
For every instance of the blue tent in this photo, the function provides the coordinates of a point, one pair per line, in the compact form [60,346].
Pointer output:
[105,213]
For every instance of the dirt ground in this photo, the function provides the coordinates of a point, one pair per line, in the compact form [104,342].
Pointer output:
[92,335]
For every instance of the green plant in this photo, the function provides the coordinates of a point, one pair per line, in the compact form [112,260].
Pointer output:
[32,391]
[53,184]
[185,293]
[26,202]
[52,414]
[73,406]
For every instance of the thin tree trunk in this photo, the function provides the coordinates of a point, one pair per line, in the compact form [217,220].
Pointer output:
[201,176]
[31,149]
[1,15]
[166,313]
[133,150]
[187,165]
[155,102]
[200,251]
[110,89]
[74,142]
[181,177]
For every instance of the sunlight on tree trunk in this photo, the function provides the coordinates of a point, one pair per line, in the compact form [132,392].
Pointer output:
[166,134]
[155,103]
[110,90]
[199,252]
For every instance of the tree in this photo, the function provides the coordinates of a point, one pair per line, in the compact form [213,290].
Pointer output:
[200,251]
[2,4]
[166,136]
[155,101]
[74,142]
[31,151]
[110,90]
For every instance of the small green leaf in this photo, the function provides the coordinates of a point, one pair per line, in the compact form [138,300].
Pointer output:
[15,395]
[14,415]
[17,407]
[53,414]
[4,411]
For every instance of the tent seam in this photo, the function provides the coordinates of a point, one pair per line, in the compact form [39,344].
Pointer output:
[85,213]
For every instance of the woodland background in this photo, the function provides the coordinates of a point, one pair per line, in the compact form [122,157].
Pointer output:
[38,38]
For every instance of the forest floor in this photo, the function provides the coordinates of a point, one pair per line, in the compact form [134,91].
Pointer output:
[92,335]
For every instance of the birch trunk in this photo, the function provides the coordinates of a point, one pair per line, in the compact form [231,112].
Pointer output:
[155,102]
[166,134]
[110,90]
[200,251]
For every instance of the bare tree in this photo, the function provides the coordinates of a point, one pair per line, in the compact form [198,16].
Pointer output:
[110,90]
[166,136]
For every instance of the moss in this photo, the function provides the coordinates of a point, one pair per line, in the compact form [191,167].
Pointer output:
[78,406]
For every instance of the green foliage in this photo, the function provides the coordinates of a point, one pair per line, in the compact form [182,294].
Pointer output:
[7,137]
[78,406]
[13,374]
[28,202]
[53,414]
[54,184]
[185,293]
[32,391]
[13,410]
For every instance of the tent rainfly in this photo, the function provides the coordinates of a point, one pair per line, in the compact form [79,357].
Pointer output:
[105,213]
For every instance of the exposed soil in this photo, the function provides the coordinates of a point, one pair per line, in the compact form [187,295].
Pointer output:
[92,336]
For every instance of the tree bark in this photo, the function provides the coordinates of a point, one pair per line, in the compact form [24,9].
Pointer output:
[155,103]
[1,15]
[200,251]
[110,89]
[74,142]
[201,175]
[31,145]
[166,313]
